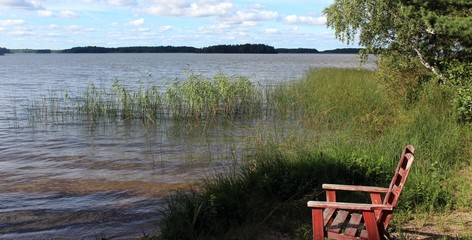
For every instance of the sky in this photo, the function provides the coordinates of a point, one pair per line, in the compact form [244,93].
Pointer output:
[62,24]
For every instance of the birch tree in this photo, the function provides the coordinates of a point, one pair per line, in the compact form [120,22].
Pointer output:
[438,33]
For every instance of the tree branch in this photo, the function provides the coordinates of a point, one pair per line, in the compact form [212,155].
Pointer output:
[428,65]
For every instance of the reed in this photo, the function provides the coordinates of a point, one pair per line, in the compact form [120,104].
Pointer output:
[198,97]
[194,98]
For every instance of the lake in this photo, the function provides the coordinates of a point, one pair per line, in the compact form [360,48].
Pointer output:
[72,180]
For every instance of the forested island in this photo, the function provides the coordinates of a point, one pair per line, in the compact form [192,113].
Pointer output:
[237,48]
[4,50]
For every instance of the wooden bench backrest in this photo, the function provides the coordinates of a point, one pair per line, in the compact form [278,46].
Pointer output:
[396,186]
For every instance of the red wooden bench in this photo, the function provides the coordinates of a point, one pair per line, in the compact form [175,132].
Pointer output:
[339,220]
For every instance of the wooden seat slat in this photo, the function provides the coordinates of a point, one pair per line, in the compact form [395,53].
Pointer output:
[328,214]
[353,224]
[338,222]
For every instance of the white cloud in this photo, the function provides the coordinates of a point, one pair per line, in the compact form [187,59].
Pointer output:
[114,2]
[248,23]
[20,4]
[21,33]
[122,2]
[294,19]
[61,14]
[53,26]
[137,22]
[12,22]
[67,14]
[53,35]
[199,8]
[271,30]
[73,29]
[143,30]
[45,13]
[90,29]
[257,6]
[202,10]
[256,15]
[165,28]
[218,28]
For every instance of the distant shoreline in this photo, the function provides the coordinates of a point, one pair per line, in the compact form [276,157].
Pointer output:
[225,49]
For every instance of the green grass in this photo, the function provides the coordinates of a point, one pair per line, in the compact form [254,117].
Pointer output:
[348,131]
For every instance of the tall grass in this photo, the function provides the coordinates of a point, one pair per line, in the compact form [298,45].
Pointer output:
[194,98]
[198,97]
[355,135]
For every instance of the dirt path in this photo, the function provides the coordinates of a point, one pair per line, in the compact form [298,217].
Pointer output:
[454,225]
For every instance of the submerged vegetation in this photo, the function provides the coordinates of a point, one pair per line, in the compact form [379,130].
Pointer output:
[351,132]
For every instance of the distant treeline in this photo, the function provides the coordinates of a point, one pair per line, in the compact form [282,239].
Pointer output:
[161,49]
[297,50]
[4,50]
[30,51]
[238,48]
[245,48]
[343,50]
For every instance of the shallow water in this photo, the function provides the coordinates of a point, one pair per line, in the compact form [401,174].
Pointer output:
[77,181]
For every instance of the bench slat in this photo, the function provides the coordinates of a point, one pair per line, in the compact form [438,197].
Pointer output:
[353,224]
[328,214]
[338,222]
[341,187]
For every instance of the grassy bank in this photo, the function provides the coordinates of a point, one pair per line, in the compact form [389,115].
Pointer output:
[350,131]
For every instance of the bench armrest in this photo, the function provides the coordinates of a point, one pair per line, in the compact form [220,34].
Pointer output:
[355,188]
[349,206]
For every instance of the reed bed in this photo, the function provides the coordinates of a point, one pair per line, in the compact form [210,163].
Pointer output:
[195,98]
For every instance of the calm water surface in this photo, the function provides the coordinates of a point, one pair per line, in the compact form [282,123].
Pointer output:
[75,181]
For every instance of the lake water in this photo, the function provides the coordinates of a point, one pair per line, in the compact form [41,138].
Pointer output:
[73,181]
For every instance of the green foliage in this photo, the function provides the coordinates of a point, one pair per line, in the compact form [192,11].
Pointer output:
[461,79]
[463,104]
[416,41]
[401,77]
[434,32]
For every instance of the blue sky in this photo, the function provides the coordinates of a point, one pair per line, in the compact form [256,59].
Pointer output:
[61,24]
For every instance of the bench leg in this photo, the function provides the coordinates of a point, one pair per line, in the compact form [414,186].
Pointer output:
[318,224]
[371,225]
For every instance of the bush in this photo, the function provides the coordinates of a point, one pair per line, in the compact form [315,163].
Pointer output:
[463,104]
[401,77]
